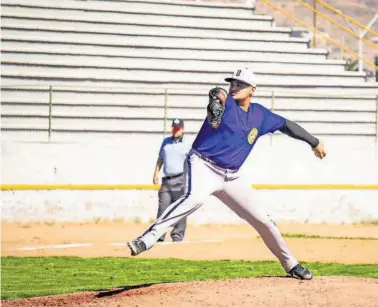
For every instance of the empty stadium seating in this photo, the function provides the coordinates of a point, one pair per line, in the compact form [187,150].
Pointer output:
[115,65]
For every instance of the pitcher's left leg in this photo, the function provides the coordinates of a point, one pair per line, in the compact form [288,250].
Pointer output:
[238,196]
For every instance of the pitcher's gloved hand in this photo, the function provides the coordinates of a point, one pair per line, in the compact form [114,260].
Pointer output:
[215,108]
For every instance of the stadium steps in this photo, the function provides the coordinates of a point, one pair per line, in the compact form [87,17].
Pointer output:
[17,78]
[127,124]
[126,34]
[207,52]
[29,58]
[140,28]
[29,111]
[22,9]
[109,62]
[182,8]
[185,74]
[184,98]
[100,111]
[44,36]
[16,51]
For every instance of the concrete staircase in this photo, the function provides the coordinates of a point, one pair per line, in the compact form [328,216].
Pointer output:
[110,62]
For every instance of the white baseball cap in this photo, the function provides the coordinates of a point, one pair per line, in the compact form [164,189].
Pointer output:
[245,75]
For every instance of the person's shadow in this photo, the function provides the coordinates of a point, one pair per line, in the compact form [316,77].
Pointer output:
[105,293]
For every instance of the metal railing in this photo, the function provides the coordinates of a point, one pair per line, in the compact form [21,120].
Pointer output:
[350,19]
[325,37]
[336,23]
[359,33]
[273,96]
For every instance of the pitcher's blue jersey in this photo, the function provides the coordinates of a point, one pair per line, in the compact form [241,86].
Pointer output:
[230,144]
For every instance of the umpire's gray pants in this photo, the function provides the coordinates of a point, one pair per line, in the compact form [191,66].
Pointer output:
[171,190]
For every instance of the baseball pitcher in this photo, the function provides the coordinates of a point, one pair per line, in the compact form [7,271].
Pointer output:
[232,128]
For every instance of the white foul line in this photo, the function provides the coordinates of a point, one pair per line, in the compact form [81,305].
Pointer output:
[61,246]
[190,242]
[118,244]
[32,248]
[169,243]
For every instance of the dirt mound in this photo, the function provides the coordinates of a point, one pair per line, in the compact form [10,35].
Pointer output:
[265,291]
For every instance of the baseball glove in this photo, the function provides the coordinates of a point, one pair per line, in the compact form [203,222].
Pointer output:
[215,108]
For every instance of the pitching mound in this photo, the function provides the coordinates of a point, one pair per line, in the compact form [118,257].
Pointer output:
[267,291]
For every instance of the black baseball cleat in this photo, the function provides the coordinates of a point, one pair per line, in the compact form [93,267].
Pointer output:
[136,246]
[299,271]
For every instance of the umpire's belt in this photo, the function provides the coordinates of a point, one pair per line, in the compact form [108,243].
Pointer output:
[171,177]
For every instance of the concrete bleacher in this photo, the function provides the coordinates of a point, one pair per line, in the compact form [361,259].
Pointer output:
[109,63]
[105,110]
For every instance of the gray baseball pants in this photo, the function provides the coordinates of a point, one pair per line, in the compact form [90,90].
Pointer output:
[203,178]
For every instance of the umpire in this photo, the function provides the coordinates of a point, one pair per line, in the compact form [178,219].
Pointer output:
[172,154]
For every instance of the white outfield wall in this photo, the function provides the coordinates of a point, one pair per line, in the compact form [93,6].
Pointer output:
[130,159]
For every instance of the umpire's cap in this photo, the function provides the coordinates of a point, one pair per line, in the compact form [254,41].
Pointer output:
[178,122]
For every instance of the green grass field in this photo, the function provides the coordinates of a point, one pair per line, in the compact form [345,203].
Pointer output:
[34,276]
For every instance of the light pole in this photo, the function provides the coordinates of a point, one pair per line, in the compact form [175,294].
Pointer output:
[361,34]
[314,25]
[360,45]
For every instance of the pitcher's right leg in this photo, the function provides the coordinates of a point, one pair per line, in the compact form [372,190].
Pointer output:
[237,195]
[201,182]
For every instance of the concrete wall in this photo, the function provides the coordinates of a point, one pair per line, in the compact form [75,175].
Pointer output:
[100,44]
[130,159]
[80,206]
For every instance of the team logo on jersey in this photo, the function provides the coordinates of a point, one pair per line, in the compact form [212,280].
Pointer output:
[252,135]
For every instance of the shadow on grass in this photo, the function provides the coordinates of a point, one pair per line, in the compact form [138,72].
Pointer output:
[105,293]
[274,276]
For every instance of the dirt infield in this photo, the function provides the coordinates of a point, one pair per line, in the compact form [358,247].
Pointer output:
[206,242]
[257,292]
